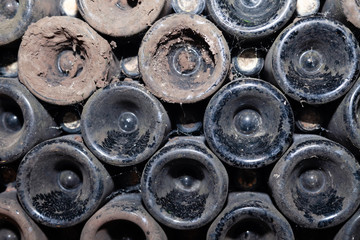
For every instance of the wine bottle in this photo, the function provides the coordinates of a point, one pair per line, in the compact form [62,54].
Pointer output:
[250,215]
[69,119]
[248,123]
[309,119]
[69,8]
[16,16]
[15,224]
[123,217]
[254,180]
[344,11]
[253,19]
[183,63]
[343,126]
[314,60]
[123,124]
[307,7]
[64,66]
[60,183]
[350,230]
[248,62]
[122,19]
[24,122]
[315,184]
[184,185]
[8,62]
[188,6]
[130,67]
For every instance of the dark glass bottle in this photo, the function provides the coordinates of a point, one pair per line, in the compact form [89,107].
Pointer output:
[248,123]
[123,124]
[310,119]
[247,62]
[122,18]
[16,16]
[8,62]
[64,66]
[250,215]
[350,230]
[70,119]
[315,184]
[188,6]
[183,63]
[344,11]
[24,122]
[69,8]
[60,183]
[344,126]
[251,19]
[123,217]
[130,67]
[314,60]
[184,185]
[307,7]
[15,224]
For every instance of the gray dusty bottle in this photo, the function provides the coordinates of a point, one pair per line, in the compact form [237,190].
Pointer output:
[248,123]
[307,7]
[8,61]
[124,217]
[123,124]
[350,230]
[24,122]
[60,183]
[122,19]
[184,185]
[314,60]
[188,6]
[249,20]
[16,16]
[15,224]
[183,63]
[66,66]
[247,62]
[345,11]
[250,215]
[344,124]
[315,184]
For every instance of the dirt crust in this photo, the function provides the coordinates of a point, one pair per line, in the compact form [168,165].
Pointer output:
[183,58]
[54,75]
[121,18]
[351,10]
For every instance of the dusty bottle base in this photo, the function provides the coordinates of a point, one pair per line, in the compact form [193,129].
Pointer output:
[183,58]
[316,182]
[14,222]
[184,185]
[250,215]
[60,183]
[251,19]
[310,69]
[23,121]
[62,60]
[248,123]
[307,7]
[123,124]
[123,217]
[344,124]
[121,18]
[344,11]
[16,16]
[188,6]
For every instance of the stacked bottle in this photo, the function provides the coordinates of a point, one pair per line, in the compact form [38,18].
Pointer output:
[179,119]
